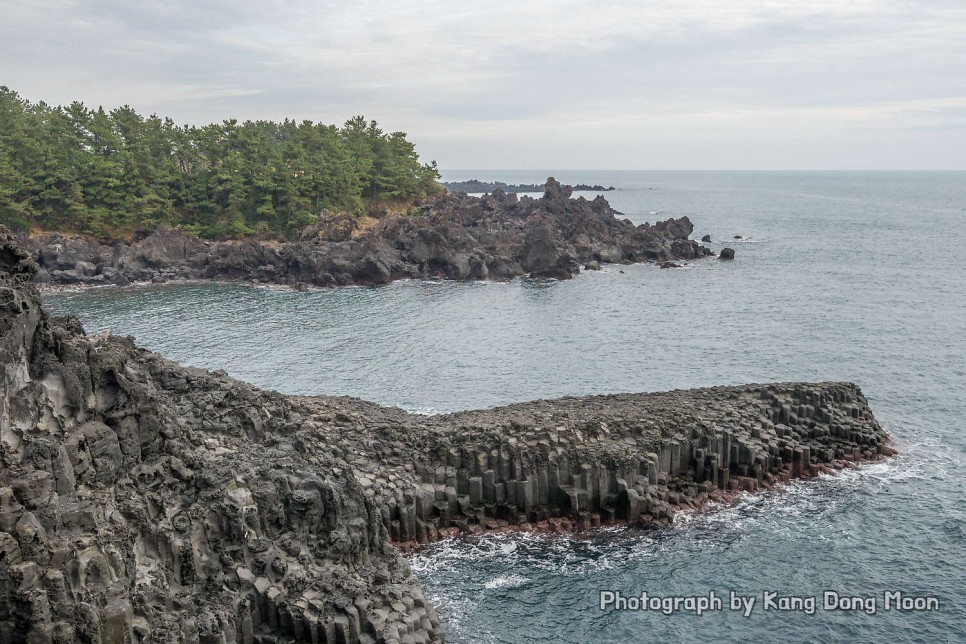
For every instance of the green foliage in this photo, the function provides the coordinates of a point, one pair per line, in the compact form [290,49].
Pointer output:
[111,173]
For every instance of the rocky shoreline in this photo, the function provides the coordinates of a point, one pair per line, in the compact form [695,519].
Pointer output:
[634,459]
[477,186]
[496,237]
[143,501]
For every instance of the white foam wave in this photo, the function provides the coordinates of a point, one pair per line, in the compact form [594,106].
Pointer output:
[778,512]
[505,581]
[560,554]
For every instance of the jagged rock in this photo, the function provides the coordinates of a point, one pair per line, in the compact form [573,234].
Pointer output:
[167,247]
[504,268]
[331,228]
[239,260]
[553,191]
[494,187]
[85,269]
[373,270]
[137,496]
[706,239]
[142,501]
[544,254]
[455,237]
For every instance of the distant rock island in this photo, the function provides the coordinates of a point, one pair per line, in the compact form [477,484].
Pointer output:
[453,236]
[142,501]
[475,185]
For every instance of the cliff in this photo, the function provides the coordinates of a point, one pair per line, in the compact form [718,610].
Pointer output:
[454,237]
[142,501]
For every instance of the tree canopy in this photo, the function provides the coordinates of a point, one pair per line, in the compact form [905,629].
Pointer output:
[73,168]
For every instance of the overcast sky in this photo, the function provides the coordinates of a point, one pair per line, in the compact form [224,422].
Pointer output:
[690,84]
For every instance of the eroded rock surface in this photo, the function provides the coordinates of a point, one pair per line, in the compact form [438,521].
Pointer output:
[455,237]
[636,458]
[145,502]
[142,501]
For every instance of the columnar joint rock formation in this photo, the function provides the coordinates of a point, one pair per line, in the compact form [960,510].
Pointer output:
[633,458]
[142,501]
[145,502]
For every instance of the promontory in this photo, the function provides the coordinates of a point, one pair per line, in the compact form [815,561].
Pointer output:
[455,236]
[143,501]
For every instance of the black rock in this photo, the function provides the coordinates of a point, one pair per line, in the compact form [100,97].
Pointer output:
[452,237]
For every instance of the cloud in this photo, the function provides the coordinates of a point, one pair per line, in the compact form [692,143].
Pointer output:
[613,75]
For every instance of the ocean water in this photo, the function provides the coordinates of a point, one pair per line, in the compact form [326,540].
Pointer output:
[838,276]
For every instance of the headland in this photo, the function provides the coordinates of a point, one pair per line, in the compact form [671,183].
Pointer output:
[457,237]
[144,501]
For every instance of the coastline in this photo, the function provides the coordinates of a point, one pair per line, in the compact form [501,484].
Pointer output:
[473,186]
[706,502]
[495,237]
[632,457]
[121,465]
[50,288]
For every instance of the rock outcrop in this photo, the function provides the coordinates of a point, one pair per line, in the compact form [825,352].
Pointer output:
[142,501]
[475,185]
[635,458]
[455,237]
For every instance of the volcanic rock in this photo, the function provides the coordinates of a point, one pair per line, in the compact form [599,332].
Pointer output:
[143,501]
[454,237]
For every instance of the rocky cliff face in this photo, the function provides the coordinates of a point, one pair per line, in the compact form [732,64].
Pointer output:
[631,458]
[456,237]
[142,501]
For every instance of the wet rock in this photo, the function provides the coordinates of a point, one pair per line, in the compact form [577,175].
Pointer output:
[504,268]
[727,253]
[706,239]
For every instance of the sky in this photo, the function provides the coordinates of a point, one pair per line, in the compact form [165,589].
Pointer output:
[603,85]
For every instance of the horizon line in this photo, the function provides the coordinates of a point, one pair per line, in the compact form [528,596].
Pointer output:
[541,170]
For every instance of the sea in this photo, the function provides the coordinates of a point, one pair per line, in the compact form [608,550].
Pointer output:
[837,276]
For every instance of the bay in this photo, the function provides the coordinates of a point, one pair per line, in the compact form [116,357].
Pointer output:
[837,276]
